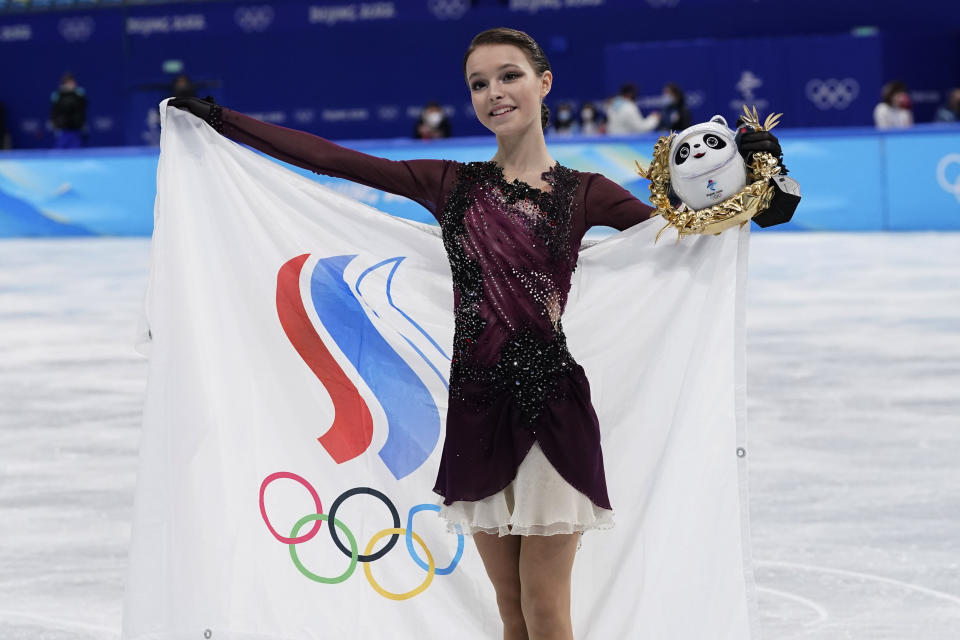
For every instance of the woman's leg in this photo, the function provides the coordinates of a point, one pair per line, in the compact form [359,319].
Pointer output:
[546,564]
[501,558]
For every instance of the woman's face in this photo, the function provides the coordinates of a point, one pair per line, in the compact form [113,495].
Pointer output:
[504,88]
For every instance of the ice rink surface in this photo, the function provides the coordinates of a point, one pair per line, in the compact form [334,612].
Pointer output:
[853,371]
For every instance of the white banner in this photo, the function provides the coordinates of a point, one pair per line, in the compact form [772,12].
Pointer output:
[299,349]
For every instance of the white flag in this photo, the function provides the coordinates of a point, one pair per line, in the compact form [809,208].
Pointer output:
[299,347]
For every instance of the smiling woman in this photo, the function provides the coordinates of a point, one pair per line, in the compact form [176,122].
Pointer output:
[522,458]
[521,467]
[509,76]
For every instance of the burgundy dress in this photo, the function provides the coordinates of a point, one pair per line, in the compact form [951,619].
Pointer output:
[512,250]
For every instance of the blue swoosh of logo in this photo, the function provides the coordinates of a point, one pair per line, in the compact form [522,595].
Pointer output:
[396,263]
[413,419]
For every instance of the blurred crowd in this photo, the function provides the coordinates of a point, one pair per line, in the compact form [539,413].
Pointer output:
[618,115]
[895,109]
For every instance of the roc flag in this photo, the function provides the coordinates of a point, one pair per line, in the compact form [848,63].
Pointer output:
[299,345]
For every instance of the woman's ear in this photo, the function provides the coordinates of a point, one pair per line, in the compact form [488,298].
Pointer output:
[546,81]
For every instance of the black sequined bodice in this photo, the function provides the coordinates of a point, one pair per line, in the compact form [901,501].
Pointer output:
[511,258]
[512,251]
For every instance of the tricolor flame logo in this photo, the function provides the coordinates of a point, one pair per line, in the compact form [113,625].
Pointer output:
[346,315]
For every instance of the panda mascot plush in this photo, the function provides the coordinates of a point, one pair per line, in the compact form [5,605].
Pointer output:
[705,165]
[709,163]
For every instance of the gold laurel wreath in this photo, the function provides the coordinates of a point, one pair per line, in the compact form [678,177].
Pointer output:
[737,209]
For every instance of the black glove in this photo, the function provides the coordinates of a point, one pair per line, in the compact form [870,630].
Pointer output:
[750,142]
[206,109]
[786,194]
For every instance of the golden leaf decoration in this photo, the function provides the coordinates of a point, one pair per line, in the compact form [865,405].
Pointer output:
[644,173]
[752,119]
[736,210]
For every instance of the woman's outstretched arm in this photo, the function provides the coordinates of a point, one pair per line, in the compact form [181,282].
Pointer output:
[610,205]
[420,180]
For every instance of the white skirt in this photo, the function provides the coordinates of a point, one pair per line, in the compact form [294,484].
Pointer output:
[537,502]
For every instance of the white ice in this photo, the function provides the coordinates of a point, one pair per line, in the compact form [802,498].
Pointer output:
[853,357]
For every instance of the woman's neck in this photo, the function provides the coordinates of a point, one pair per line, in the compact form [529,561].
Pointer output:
[523,154]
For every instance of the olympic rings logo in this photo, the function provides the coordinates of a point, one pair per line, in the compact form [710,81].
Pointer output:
[352,549]
[253,19]
[946,184]
[78,29]
[448,9]
[832,93]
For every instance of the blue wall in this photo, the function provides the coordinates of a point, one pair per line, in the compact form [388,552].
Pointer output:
[852,179]
[365,74]
[817,81]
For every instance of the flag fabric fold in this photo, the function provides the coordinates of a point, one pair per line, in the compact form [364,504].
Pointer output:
[299,345]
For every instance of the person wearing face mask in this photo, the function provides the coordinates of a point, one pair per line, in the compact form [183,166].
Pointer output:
[591,121]
[68,113]
[565,123]
[433,123]
[894,109]
[521,470]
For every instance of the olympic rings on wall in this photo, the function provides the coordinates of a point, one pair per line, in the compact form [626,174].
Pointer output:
[352,549]
[950,184]
[832,93]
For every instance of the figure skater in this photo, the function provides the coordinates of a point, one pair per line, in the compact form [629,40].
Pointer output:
[521,468]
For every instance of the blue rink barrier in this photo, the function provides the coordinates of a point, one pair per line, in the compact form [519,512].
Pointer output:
[852,179]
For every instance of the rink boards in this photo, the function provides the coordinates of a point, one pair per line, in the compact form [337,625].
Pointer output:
[852,180]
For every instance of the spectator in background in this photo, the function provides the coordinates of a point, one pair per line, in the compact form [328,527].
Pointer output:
[564,122]
[676,116]
[623,115]
[950,112]
[68,113]
[183,87]
[433,123]
[591,121]
[894,109]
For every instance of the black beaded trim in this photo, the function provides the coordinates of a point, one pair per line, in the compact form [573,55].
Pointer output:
[530,366]
[529,369]
[554,225]
[467,274]
[215,118]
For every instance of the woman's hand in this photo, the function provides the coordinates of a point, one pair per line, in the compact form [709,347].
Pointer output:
[750,142]
[206,109]
[198,107]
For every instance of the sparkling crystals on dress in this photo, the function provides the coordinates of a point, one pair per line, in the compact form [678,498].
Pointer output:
[511,260]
